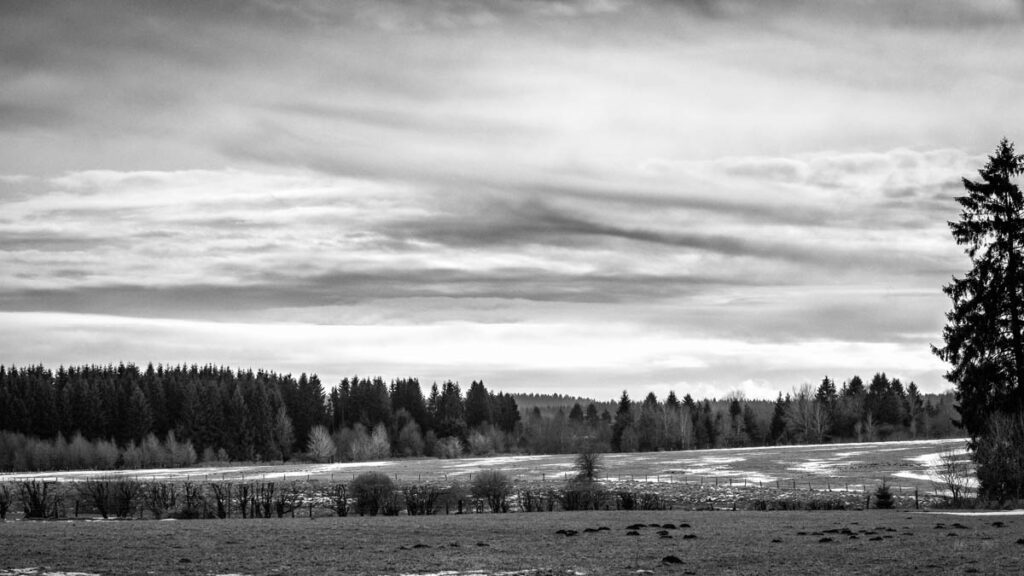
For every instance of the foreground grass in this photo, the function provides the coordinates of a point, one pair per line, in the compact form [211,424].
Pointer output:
[866,542]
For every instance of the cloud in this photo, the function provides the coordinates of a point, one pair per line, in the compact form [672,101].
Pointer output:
[732,171]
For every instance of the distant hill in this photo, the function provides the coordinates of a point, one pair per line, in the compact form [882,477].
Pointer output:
[552,402]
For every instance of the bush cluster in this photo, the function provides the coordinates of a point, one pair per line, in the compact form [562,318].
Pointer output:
[583,494]
[374,493]
[493,487]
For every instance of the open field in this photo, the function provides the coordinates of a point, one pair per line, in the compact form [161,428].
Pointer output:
[794,543]
[853,467]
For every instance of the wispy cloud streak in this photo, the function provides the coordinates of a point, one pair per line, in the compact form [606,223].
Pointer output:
[722,188]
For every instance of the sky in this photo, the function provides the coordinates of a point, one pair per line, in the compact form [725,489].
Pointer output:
[709,197]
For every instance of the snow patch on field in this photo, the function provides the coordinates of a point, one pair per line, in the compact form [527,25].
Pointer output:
[708,460]
[852,453]
[986,513]
[935,459]
[492,461]
[41,572]
[914,476]
[814,466]
[486,573]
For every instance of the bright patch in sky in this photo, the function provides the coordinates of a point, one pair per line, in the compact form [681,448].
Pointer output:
[550,196]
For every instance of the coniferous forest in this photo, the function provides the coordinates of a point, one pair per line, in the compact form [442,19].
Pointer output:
[126,417]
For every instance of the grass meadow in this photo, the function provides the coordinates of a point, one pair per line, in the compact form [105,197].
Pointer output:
[794,543]
[701,534]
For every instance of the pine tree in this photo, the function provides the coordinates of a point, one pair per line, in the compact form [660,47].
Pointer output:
[623,421]
[139,417]
[983,335]
[451,412]
[778,425]
[478,405]
[855,387]
[592,417]
[576,414]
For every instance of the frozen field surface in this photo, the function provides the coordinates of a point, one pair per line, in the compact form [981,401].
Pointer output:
[907,465]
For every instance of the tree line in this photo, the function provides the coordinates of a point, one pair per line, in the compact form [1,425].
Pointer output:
[123,416]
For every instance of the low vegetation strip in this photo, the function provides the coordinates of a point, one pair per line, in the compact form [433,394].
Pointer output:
[592,543]
[494,489]
[854,466]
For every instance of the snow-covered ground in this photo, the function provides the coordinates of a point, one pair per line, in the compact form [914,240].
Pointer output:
[912,463]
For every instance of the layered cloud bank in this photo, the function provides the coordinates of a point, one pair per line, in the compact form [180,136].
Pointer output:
[703,196]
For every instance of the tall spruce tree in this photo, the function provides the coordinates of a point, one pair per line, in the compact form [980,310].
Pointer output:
[478,405]
[623,420]
[983,334]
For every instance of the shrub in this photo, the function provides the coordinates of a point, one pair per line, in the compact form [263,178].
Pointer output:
[421,499]
[493,486]
[5,500]
[479,444]
[126,494]
[448,447]
[246,500]
[39,499]
[193,502]
[263,499]
[535,501]
[626,500]
[811,503]
[391,506]
[410,440]
[999,458]
[372,491]
[583,494]
[222,498]
[338,496]
[98,493]
[883,496]
[288,500]
[159,498]
[454,496]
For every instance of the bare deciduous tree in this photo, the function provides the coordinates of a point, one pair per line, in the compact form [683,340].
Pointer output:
[954,474]
[321,446]
[806,417]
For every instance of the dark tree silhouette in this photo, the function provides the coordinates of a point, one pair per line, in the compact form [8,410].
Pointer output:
[983,336]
